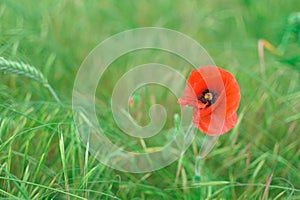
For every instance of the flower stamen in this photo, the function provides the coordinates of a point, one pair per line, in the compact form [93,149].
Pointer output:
[208,97]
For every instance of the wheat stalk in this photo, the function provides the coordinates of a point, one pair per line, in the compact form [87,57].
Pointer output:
[28,71]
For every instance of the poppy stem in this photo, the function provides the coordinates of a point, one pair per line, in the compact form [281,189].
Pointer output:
[207,145]
[197,177]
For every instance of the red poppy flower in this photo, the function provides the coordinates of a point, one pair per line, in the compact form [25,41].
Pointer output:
[214,95]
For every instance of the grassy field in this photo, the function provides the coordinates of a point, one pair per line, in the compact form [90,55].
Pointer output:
[41,156]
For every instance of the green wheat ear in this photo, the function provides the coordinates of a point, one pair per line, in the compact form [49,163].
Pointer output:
[28,71]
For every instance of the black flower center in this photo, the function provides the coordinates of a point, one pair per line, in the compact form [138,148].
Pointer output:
[208,97]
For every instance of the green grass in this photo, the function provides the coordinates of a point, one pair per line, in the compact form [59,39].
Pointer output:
[41,156]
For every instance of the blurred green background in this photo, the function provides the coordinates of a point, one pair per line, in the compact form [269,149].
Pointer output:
[40,155]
